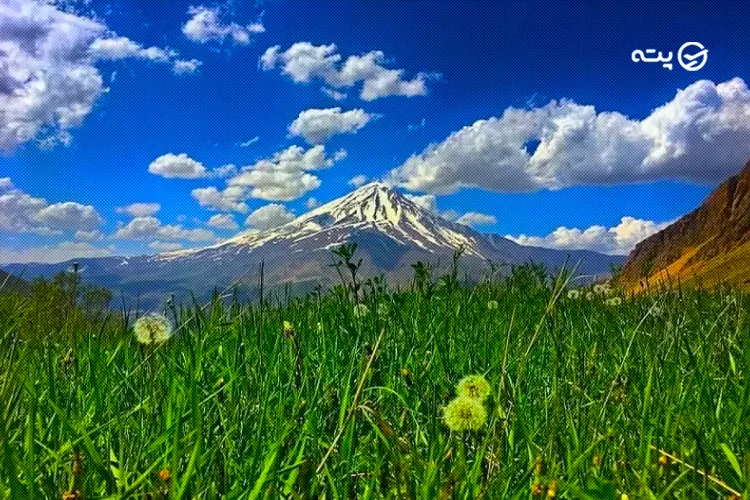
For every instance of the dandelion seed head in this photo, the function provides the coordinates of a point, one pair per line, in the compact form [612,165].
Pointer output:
[492,305]
[474,386]
[602,289]
[465,414]
[574,294]
[614,301]
[152,329]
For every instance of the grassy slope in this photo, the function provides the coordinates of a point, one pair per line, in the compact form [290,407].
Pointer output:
[233,406]
[731,269]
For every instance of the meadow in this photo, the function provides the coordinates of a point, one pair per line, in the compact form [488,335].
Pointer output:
[342,394]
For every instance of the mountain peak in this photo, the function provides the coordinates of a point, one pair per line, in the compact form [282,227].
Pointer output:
[374,186]
[387,225]
[373,208]
[375,203]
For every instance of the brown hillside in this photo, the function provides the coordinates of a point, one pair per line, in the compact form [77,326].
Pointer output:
[708,246]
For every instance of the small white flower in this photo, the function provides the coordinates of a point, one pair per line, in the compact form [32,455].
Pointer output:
[614,301]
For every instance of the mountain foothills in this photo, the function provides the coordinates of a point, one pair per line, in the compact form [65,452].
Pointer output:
[391,232]
[707,247]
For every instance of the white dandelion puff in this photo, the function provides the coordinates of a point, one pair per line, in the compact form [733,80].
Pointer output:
[152,329]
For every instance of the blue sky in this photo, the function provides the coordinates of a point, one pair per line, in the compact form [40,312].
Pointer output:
[108,104]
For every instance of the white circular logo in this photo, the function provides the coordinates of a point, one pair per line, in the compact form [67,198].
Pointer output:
[692,62]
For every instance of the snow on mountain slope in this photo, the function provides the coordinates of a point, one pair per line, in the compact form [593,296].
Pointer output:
[371,207]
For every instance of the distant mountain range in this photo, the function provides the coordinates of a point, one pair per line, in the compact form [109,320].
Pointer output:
[707,247]
[391,231]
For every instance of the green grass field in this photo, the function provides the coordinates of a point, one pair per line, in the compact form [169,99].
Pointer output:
[347,402]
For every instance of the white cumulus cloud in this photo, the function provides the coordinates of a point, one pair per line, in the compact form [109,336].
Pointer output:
[269,216]
[223,221]
[122,47]
[49,81]
[316,126]
[286,175]
[616,240]
[702,135]
[186,66]
[21,212]
[425,201]
[358,180]
[92,235]
[181,166]
[303,62]
[232,198]
[205,24]
[139,209]
[475,219]
[429,202]
[151,228]
[334,94]
[69,216]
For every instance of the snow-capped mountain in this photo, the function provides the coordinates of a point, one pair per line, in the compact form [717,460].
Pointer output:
[373,207]
[391,232]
